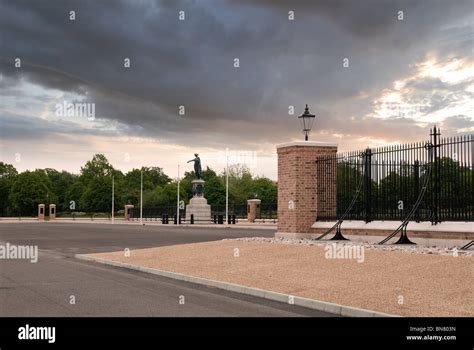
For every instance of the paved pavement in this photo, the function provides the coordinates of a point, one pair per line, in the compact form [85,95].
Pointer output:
[60,285]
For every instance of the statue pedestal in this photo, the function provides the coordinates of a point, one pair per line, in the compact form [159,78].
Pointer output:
[200,209]
[198,204]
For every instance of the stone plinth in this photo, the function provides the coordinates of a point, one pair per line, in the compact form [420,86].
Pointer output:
[253,209]
[198,204]
[41,208]
[199,208]
[298,185]
[52,212]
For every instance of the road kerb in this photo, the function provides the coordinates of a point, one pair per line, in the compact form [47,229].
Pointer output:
[319,305]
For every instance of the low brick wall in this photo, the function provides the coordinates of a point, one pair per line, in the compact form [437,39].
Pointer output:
[414,234]
[315,232]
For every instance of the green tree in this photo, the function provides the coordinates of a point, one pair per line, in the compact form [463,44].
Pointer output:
[170,192]
[29,189]
[61,182]
[97,168]
[154,198]
[97,196]
[152,177]
[164,196]
[215,191]
[189,176]
[96,176]
[265,189]
[455,185]
[349,178]
[8,174]
[240,184]
[73,196]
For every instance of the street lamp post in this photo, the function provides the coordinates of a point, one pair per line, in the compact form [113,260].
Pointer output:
[113,198]
[177,201]
[141,196]
[227,186]
[306,121]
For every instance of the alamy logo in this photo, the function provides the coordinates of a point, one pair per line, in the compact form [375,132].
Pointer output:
[37,333]
[82,110]
[337,251]
[11,251]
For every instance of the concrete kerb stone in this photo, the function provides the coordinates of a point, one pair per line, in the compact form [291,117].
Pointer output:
[319,305]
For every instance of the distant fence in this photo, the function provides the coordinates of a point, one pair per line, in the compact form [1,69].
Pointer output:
[239,210]
[15,213]
[267,211]
[385,183]
[155,212]
[168,214]
[86,215]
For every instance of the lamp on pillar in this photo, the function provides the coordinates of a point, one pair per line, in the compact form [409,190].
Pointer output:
[306,120]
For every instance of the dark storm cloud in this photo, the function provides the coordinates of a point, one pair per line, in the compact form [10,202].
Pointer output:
[452,125]
[190,62]
[20,128]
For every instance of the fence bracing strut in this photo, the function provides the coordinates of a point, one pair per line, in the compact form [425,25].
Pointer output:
[337,225]
[467,246]
[402,229]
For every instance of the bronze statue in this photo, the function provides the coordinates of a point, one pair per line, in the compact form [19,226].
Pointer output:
[197,166]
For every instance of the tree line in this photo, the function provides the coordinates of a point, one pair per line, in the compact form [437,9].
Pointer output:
[91,190]
[450,187]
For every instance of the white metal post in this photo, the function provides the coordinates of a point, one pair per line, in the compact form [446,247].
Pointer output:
[113,199]
[227,186]
[141,197]
[177,202]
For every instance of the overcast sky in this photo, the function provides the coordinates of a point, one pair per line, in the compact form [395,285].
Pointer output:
[403,75]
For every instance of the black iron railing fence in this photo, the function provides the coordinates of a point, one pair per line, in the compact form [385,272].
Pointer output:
[239,210]
[385,183]
[16,213]
[155,212]
[267,211]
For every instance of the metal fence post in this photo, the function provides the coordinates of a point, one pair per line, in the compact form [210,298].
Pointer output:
[435,175]
[368,184]
[416,184]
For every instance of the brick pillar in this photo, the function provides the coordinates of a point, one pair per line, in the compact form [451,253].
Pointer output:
[52,212]
[253,209]
[128,211]
[298,189]
[41,211]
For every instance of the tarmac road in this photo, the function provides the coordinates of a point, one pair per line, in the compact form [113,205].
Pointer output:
[60,285]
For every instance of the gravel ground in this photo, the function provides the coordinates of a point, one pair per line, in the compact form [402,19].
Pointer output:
[416,249]
[405,280]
